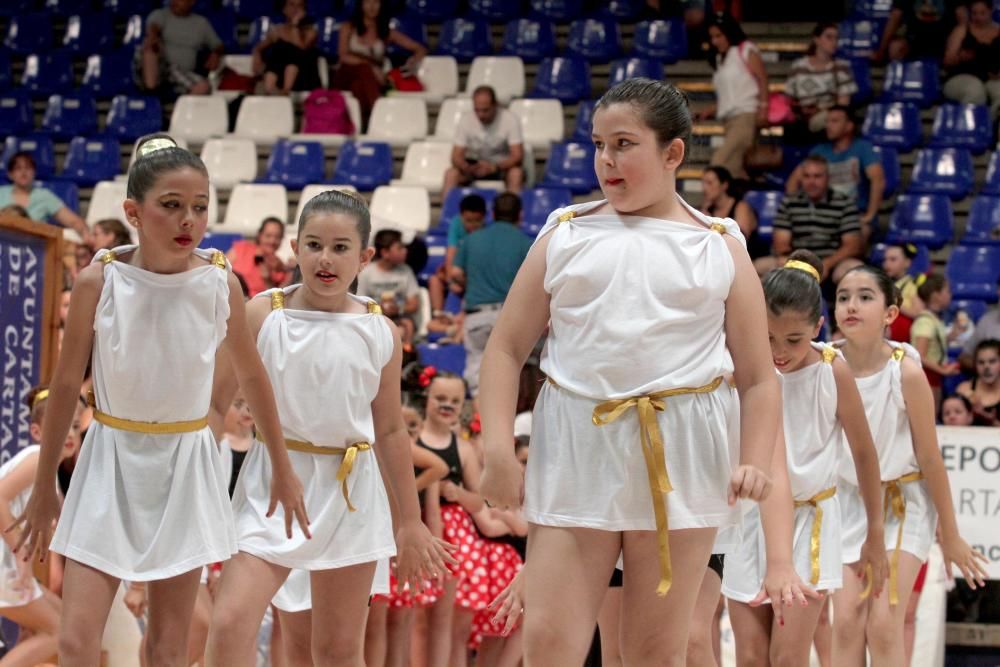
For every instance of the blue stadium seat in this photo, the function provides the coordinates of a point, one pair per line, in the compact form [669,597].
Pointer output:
[596,39]
[65,8]
[566,79]
[921,263]
[584,121]
[665,41]
[560,11]
[922,220]
[127,7]
[135,31]
[765,205]
[496,11]
[859,38]
[974,308]
[29,33]
[70,115]
[962,126]
[109,74]
[412,26]
[983,226]
[973,272]
[67,191]
[946,171]
[131,117]
[539,202]
[224,23]
[16,7]
[259,28]
[6,79]
[449,358]
[41,148]
[433,10]
[328,41]
[896,125]
[16,115]
[531,39]
[364,164]
[47,74]
[220,240]
[571,165]
[248,10]
[449,207]
[625,11]
[295,164]
[464,39]
[992,184]
[861,69]
[890,166]
[88,33]
[437,249]
[878,9]
[912,81]
[631,68]
[91,160]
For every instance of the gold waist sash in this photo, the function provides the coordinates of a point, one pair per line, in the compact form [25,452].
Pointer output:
[151,428]
[896,503]
[817,528]
[350,454]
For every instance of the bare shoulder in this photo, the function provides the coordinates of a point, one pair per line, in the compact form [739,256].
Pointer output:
[257,309]
[911,372]
[90,279]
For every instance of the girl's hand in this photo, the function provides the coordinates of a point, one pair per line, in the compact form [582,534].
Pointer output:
[509,605]
[420,556]
[37,523]
[873,556]
[449,491]
[135,599]
[969,561]
[749,482]
[502,484]
[286,489]
[784,587]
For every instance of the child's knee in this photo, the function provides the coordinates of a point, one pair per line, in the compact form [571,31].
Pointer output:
[659,650]
[884,628]
[333,648]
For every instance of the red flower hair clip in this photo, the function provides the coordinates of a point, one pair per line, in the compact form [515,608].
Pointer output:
[475,425]
[427,376]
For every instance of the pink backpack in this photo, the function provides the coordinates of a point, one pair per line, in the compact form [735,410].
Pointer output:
[326,113]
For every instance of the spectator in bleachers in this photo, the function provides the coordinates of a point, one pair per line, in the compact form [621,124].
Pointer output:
[818,81]
[923,23]
[720,198]
[853,165]
[818,219]
[896,263]
[39,203]
[110,233]
[391,283]
[488,145]
[486,264]
[287,56]
[956,410]
[972,59]
[929,336]
[257,260]
[14,209]
[179,50]
[983,390]
[471,217]
[740,82]
[362,53]
[987,326]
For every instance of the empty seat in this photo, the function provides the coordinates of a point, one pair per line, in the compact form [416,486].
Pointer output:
[538,203]
[109,74]
[921,219]
[631,68]
[439,75]
[496,11]
[295,164]
[199,117]
[131,117]
[992,184]
[29,33]
[464,39]
[896,125]
[947,171]
[433,10]
[230,161]
[16,115]
[542,121]
[63,8]
[913,81]
[70,115]
[106,202]
[67,191]
[878,9]
[765,205]
[265,119]
[425,165]
[623,10]
[90,160]
[983,226]
[225,25]
[450,205]
[398,120]
[41,148]
[973,272]
[449,116]
[861,70]
[411,25]
[88,33]
[135,28]
[47,74]
[661,40]
[259,28]
[584,121]
[564,78]
[571,165]
[251,9]
[403,207]
[560,11]
[962,126]
[328,41]
[890,167]
[449,358]
[364,164]
[15,7]
[250,203]
[859,38]
[595,39]
[530,39]
[505,74]
[6,78]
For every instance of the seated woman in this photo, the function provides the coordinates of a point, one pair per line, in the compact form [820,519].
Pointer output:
[983,391]
[972,59]
[110,233]
[40,203]
[818,82]
[722,199]
[256,261]
[287,56]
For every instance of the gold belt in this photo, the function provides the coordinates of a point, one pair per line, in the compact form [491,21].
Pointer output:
[152,428]
[817,528]
[652,450]
[896,503]
[350,453]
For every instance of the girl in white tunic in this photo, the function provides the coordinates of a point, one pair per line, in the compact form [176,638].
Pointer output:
[334,361]
[799,524]
[900,411]
[650,305]
[148,500]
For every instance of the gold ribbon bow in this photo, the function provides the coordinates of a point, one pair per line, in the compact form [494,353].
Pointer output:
[817,528]
[350,453]
[896,503]
[149,428]
[652,450]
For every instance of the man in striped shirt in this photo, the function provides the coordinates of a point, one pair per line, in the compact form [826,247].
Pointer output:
[817,219]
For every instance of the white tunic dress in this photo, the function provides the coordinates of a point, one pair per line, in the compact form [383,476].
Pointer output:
[143,507]
[882,394]
[637,306]
[325,369]
[10,594]
[813,442]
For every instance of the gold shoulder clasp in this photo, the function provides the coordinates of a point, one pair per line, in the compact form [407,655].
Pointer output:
[718,227]
[277,299]
[374,308]
[829,354]
[219,259]
[898,354]
[108,257]
[567,216]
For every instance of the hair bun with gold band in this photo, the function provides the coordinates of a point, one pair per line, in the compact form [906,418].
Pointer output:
[803,266]
[155,144]
[39,397]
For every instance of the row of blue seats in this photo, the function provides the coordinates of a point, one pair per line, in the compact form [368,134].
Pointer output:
[105,75]
[75,114]
[898,125]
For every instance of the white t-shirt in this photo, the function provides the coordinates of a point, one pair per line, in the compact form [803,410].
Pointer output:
[488,142]
[375,281]
[735,86]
